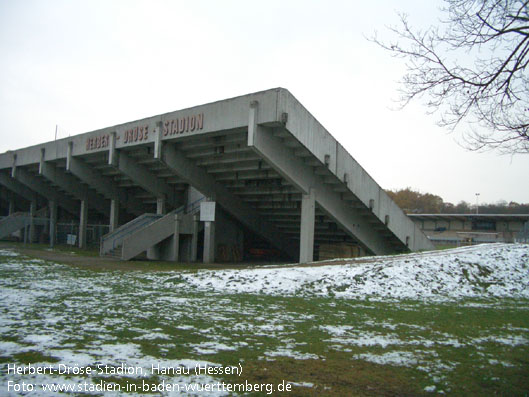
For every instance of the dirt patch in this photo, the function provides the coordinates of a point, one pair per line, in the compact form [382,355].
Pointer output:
[70,258]
[91,260]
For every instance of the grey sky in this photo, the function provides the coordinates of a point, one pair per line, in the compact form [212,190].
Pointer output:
[88,64]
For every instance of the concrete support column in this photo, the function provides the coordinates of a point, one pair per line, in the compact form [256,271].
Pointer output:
[83,221]
[32,210]
[306,237]
[53,221]
[160,205]
[194,238]
[153,253]
[176,238]
[11,209]
[209,242]
[114,215]
[26,228]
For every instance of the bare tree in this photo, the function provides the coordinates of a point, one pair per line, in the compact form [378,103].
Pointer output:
[472,67]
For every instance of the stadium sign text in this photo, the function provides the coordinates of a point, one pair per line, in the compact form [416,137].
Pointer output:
[140,133]
[97,142]
[181,125]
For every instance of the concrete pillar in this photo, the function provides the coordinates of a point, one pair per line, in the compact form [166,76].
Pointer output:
[209,242]
[153,253]
[306,234]
[53,221]
[194,238]
[114,215]
[160,205]
[83,220]
[176,238]
[26,227]
[11,209]
[32,210]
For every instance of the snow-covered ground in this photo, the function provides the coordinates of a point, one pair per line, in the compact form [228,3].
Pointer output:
[71,316]
[484,271]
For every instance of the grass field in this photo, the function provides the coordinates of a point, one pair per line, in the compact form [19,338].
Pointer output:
[320,344]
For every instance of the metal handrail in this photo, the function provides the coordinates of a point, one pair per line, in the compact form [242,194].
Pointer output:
[25,217]
[192,205]
[125,229]
[176,211]
[126,232]
[148,219]
[126,226]
[15,215]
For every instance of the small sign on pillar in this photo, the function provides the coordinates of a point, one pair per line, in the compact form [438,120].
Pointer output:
[207,211]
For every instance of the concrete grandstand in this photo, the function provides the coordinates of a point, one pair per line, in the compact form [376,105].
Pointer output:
[256,175]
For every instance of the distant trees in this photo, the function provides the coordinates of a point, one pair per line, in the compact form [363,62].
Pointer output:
[412,201]
[504,208]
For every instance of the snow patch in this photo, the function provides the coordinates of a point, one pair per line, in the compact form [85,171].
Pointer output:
[482,271]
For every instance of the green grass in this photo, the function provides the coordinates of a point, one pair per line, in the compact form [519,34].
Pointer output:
[470,347]
[72,249]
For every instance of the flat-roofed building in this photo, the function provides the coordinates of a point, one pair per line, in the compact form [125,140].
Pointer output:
[458,229]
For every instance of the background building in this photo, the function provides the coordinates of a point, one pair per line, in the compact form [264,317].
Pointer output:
[462,229]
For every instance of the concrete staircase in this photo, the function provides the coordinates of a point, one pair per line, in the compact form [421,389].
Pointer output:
[12,223]
[19,220]
[112,242]
[114,253]
[146,231]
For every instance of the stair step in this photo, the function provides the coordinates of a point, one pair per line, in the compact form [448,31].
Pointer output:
[114,253]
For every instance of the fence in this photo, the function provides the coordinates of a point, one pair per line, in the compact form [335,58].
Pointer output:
[68,233]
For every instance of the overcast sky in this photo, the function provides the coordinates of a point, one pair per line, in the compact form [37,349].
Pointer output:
[85,65]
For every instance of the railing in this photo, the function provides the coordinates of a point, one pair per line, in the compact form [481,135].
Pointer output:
[14,215]
[18,221]
[140,240]
[94,232]
[194,206]
[120,234]
[125,230]
[14,222]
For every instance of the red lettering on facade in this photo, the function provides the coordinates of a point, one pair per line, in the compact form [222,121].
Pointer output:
[181,125]
[97,142]
[169,127]
[184,124]
[135,134]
